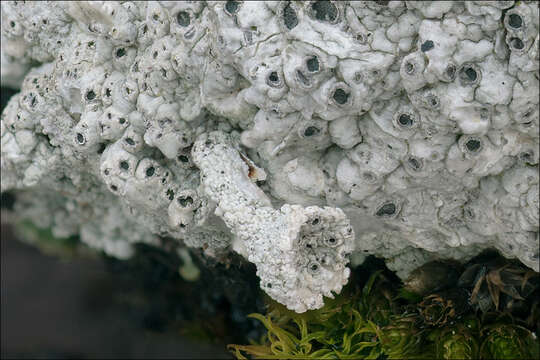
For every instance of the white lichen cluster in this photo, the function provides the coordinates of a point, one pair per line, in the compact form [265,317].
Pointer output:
[297,134]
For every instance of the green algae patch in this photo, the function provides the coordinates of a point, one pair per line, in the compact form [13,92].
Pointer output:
[65,248]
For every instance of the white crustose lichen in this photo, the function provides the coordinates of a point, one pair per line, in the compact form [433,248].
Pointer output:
[300,135]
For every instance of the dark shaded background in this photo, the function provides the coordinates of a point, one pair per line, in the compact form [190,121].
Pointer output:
[53,308]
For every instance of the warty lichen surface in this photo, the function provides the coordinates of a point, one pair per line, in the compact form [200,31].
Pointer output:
[298,134]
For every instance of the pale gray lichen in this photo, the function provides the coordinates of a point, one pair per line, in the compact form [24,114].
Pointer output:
[294,133]
[300,252]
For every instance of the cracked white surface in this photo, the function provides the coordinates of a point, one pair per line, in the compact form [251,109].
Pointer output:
[406,129]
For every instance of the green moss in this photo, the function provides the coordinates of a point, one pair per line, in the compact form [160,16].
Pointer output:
[459,341]
[376,322]
[508,341]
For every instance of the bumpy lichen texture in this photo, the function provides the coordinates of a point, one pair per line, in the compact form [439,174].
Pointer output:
[297,134]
